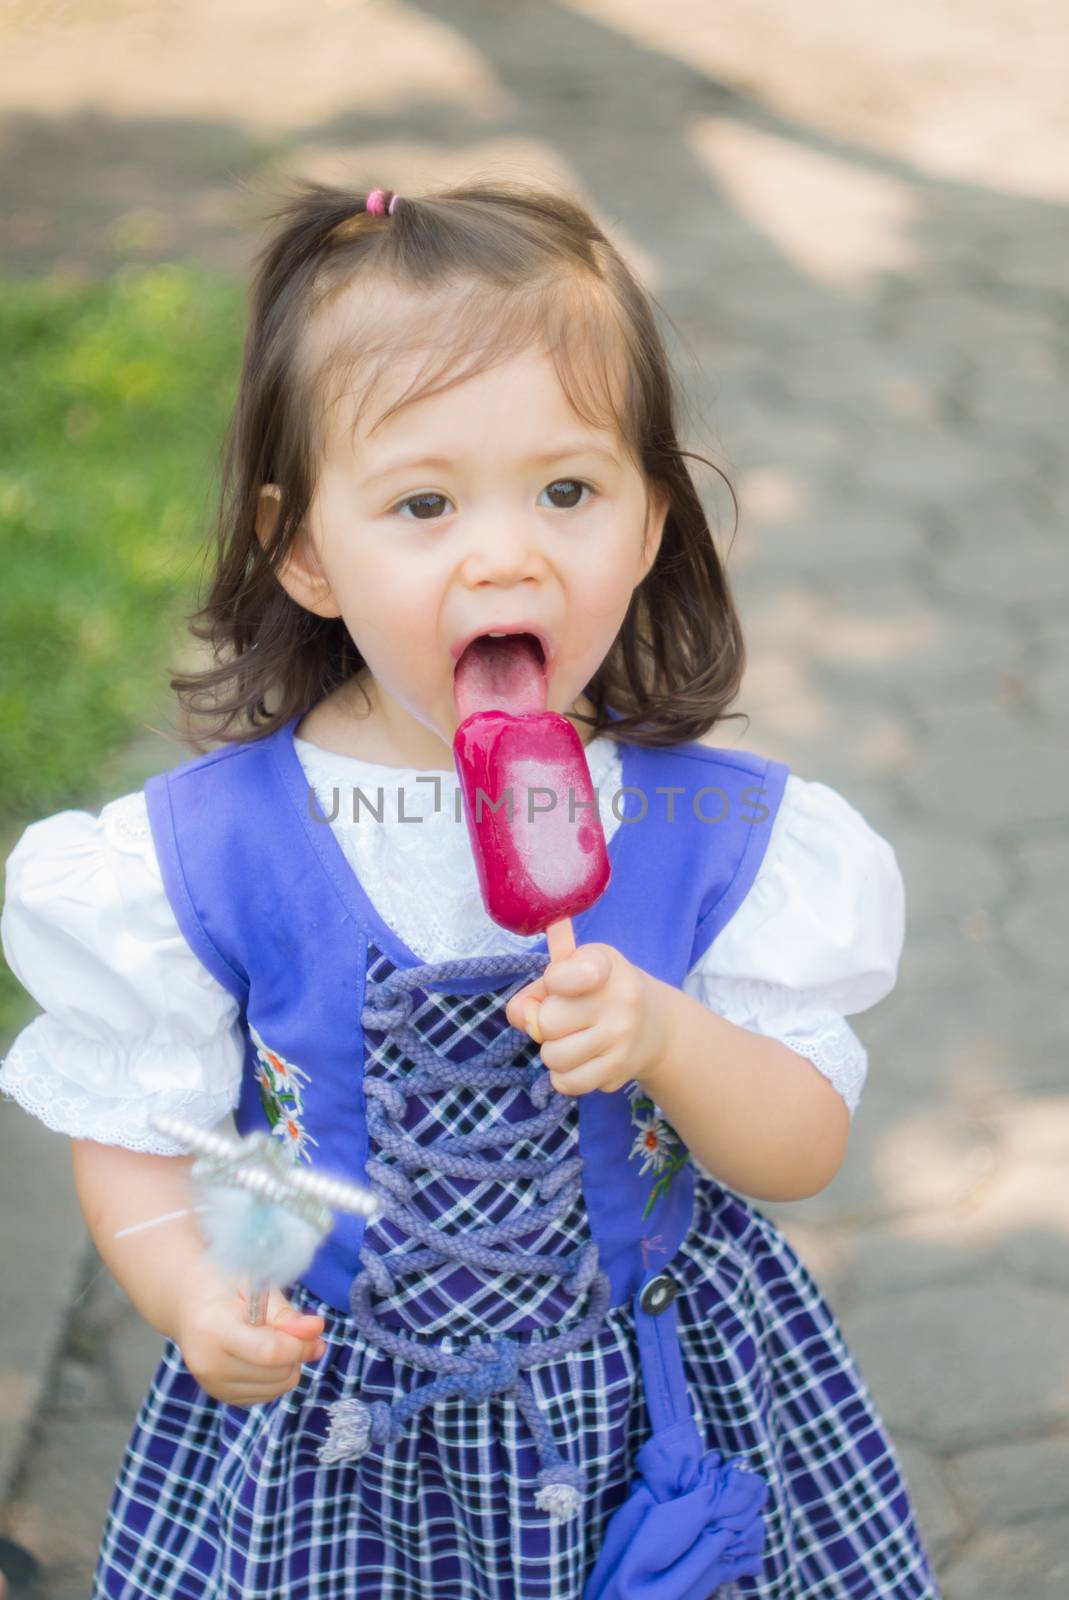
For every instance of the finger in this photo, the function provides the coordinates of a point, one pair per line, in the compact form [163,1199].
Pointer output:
[532,1021]
[583,973]
[573,1051]
[525,1020]
[310,1350]
[256,1379]
[305,1326]
[522,1000]
[582,1080]
[259,1371]
[263,1346]
[258,1394]
[566,979]
[560,1016]
[255,1374]
[302,1324]
[279,1307]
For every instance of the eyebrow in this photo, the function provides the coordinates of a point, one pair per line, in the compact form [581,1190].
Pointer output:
[575,447]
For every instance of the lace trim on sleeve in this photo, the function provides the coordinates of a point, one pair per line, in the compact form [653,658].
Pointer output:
[836,1051]
[802,1021]
[28,1077]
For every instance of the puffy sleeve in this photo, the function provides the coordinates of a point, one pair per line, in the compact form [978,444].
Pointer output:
[818,937]
[133,1023]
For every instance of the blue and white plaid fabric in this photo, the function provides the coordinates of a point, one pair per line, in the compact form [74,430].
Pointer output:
[217,1502]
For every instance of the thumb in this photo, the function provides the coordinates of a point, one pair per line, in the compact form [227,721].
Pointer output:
[282,1314]
[278,1307]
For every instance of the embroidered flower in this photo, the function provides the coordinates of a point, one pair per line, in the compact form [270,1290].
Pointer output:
[657,1142]
[279,1083]
[293,1137]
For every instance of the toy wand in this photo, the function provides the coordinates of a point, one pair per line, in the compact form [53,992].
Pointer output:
[263,1219]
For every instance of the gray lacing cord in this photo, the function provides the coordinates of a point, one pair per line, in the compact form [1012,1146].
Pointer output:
[486,1368]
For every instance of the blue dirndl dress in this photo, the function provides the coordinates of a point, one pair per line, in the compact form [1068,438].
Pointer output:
[351,1486]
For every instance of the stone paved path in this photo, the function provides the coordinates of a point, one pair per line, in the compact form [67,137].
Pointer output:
[860,234]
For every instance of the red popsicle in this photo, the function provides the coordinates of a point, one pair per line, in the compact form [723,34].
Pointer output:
[529,803]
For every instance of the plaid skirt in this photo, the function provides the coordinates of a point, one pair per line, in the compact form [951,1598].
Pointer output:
[220,1502]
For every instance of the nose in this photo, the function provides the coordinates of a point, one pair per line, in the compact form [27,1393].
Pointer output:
[503,550]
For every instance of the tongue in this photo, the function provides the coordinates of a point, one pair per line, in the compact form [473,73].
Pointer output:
[500,675]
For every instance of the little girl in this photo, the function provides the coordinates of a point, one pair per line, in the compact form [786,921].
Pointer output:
[456,420]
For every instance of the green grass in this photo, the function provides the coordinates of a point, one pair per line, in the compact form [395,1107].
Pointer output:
[112,411]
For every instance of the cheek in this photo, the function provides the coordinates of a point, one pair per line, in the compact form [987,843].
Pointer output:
[602,596]
[389,608]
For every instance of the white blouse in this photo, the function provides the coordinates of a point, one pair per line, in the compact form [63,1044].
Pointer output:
[133,1023]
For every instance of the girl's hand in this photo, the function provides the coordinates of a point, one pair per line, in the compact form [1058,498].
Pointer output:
[235,1361]
[600,1020]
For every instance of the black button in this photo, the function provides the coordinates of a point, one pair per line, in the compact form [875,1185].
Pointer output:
[658,1294]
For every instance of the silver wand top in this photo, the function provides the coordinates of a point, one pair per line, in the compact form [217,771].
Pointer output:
[259,1163]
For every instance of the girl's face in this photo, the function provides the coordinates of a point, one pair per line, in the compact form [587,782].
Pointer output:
[484,506]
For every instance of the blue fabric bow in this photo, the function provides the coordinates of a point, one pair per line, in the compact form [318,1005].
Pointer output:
[689,1524]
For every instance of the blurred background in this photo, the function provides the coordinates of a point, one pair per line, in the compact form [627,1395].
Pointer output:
[855,220]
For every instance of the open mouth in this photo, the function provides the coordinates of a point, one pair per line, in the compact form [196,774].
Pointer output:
[502,673]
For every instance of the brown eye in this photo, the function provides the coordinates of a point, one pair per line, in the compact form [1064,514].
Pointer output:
[573,487]
[423,501]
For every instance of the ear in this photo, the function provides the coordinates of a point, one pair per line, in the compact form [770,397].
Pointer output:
[300,573]
[657,516]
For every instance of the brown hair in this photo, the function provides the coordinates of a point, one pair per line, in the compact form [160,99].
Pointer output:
[512,265]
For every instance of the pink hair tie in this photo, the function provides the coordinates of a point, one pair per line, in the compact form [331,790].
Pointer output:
[376,203]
